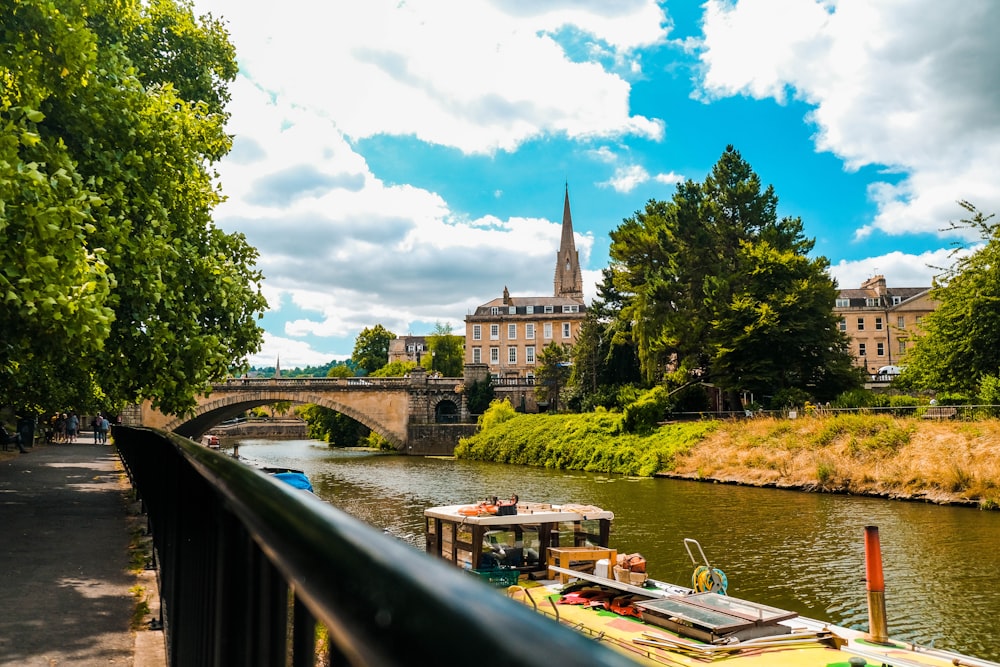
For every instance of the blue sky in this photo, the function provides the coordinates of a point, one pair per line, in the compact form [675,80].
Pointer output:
[399,163]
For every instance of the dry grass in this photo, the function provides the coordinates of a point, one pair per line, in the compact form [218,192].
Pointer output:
[950,462]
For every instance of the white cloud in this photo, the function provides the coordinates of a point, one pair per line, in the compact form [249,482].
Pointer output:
[900,269]
[912,86]
[470,74]
[626,179]
[342,247]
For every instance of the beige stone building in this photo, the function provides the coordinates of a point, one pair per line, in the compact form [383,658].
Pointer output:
[882,321]
[407,348]
[508,333]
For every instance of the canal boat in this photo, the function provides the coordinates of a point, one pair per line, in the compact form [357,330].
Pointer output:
[557,559]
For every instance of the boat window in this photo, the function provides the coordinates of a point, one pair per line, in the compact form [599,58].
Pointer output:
[503,546]
[579,534]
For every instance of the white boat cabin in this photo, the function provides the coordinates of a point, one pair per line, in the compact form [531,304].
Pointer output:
[518,535]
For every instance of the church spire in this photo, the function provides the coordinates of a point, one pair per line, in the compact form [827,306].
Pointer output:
[568,280]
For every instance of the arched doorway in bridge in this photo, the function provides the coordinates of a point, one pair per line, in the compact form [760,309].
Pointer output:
[446,412]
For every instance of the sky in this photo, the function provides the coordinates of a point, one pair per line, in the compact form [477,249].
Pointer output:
[400,163]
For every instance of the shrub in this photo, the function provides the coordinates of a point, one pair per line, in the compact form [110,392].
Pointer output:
[642,415]
[500,410]
[789,397]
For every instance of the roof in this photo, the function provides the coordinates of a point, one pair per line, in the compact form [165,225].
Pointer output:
[527,513]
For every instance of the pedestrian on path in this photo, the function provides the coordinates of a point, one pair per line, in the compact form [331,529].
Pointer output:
[103,428]
[72,427]
[95,426]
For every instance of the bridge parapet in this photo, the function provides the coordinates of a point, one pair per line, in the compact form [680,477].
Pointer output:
[388,406]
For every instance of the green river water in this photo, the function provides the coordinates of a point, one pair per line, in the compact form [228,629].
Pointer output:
[797,551]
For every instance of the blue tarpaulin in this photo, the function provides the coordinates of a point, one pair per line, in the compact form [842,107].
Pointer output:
[296,479]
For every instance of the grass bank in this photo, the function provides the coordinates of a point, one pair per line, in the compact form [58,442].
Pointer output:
[877,455]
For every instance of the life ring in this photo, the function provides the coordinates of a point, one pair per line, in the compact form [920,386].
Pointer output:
[477,510]
[709,580]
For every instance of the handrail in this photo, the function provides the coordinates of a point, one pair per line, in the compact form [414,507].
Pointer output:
[234,546]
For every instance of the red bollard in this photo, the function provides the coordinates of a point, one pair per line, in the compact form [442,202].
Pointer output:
[878,631]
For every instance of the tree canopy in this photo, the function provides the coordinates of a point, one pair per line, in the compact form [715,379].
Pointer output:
[960,346]
[371,348]
[447,351]
[716,288]
[115,284]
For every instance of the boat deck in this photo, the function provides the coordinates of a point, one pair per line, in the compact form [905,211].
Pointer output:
[799,642]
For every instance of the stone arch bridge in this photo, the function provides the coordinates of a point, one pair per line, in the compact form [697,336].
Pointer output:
[417,414]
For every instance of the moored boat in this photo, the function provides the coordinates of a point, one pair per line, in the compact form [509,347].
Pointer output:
[557,559]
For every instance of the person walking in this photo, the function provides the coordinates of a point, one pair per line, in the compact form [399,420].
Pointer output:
[61,428]
[72,427]
[95,426]
[103,428]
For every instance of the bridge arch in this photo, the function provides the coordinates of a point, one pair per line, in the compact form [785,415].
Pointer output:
[404,411]
[213,412]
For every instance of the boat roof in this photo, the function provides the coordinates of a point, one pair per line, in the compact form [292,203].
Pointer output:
[527,513]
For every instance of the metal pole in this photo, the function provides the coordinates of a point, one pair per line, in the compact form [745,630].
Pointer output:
[875,583]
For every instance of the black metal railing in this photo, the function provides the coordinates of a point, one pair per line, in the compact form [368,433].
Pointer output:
[248,565]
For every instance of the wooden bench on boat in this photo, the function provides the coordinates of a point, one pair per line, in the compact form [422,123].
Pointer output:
[563,556]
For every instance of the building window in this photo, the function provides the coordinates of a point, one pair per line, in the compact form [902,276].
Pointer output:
[495,310]
[409,349]
[511,355]
[529,354]
[843,303]
[529,331]
[861,349]
[477,355]
[494,355]
[571,309]
[878,324]
[861,324]
[529,309]
[843,324]
[880,349]
[512,310]
[494,332]
[477,332]
[530,377]
[902,346]
[900,322]
[919,320]
[566,330]
[548,309]
[871,303]
[511,332]
[547,330]
[896,300]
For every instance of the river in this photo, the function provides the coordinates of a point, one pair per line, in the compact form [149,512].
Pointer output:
[798,551]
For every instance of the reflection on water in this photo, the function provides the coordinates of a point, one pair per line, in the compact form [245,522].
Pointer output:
[798,551]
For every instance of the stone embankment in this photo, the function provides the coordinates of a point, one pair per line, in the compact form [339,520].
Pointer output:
[262,428]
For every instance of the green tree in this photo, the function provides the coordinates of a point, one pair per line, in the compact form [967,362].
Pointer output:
[604,355]
[340,371]
[552,373]
[332,427]
[395,369]
[718,289]
[371,348]
[447,353]
[111,117]
[960,345]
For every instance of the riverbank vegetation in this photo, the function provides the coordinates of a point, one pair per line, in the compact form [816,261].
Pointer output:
[865,454]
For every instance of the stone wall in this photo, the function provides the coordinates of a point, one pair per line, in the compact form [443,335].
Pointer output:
[292,428]
[436,439]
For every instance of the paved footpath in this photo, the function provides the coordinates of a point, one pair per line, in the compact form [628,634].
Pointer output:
[65,594]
